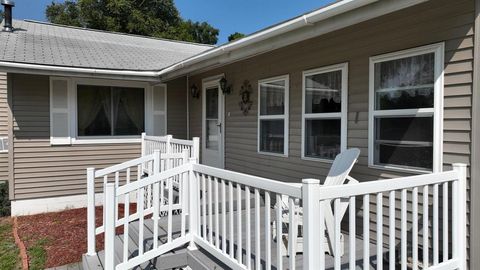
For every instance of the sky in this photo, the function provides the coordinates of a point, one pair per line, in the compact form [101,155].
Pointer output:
[245,16]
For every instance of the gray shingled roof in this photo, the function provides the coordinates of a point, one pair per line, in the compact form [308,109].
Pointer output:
[49,44]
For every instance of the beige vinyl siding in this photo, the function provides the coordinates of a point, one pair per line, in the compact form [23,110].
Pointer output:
[431,22]
[41,170]
[177,108]
[3,125]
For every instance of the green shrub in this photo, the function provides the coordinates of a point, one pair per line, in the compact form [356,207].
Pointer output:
[4,201]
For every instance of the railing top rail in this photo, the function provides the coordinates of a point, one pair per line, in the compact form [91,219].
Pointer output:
[155,138]
[252,181]
[123,166]
[180,141]
[153,179]
[345,191]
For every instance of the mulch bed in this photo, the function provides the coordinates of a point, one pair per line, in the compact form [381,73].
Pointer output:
[64,233]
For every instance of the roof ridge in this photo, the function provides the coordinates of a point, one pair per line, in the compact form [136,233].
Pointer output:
[119,33]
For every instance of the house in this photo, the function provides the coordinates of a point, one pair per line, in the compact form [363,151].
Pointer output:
[396,79]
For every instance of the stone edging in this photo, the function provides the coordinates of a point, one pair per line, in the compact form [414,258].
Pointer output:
[20,244]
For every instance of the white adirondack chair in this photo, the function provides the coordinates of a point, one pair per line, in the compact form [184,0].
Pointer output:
[338,175]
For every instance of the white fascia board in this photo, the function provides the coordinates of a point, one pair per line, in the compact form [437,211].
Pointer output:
[15,67]
[288,33]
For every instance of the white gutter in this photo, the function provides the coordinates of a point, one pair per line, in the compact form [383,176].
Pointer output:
[90,72]
[305,20]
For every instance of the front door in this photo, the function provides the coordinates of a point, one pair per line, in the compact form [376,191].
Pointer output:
[212,126]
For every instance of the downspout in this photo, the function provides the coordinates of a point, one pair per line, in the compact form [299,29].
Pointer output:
[475,135]
[188,108]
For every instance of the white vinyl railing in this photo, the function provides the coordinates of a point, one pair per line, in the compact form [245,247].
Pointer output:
[169,155]
[229,215]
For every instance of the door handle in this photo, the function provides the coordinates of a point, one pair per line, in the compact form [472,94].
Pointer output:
[219,124]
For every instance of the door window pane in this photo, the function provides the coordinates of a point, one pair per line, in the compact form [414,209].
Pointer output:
[405,83]
[272,136]
[211,141]
[323,92]
[322,138]
[211,102]
[272,98]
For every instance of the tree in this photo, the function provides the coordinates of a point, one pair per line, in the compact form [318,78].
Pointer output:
[1,15]
[235,36]
[157,18]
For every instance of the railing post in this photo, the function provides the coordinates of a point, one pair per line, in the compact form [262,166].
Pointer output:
[156,161]
[91,212]
[459,205]
[143,144]
[156,186]
[194,208]
[311,221]
[109,224]
[196,148]
[168,146]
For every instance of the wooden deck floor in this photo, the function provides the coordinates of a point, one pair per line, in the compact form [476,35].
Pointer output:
[181,257]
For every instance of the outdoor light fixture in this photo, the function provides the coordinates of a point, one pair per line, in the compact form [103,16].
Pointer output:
[194,91]
[225,88]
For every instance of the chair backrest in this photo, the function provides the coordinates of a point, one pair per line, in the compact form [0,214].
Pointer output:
[341,167]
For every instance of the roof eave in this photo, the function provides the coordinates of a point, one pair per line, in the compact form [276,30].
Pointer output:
[25,68]
[301,28]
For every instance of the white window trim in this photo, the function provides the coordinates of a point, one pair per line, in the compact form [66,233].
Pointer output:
[75,139]
[343,115]
[437,111]
[285,116]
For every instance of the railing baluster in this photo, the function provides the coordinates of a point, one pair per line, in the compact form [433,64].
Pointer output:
[391,229]
[239,224]
[183,202]
[126,223]
[279,232]
[140,202]
[105,181]
[224,218]
[117,183]
[445,207]
[248,260]
[204,208]
[230,215]
[217,213]
[210,214]
[435,225]
[379,231]
[292,232]
[257,230]
[156,213]
[404,230]
[268,251]
[336,235]
[366,231]
[425,227]
[170,207]
[351,232]
[415,228]
[323,239]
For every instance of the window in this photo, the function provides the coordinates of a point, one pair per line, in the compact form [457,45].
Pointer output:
[406,92]
[273,116]
[324,126]
[110,111]
[3,144]
[84,111]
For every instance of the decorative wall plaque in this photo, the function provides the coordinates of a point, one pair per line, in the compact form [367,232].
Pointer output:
[245,93]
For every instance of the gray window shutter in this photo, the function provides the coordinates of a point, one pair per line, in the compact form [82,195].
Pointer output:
[156,110]
[59,112]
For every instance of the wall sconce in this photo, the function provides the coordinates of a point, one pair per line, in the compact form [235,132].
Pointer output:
[226,89]
[194,91]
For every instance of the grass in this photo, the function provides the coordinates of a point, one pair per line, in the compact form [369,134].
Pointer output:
[9,252]
[37,255]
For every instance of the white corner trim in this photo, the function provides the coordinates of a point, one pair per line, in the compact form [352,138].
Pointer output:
[52,204]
